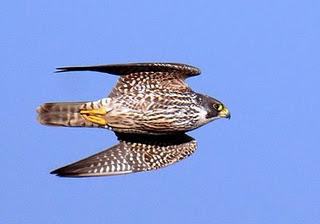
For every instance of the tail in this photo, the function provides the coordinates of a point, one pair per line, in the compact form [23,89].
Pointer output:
[63,114]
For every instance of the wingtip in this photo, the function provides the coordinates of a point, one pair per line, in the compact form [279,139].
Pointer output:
[65,174]
[60,69]
[55,172]
[67,171]
[60,173]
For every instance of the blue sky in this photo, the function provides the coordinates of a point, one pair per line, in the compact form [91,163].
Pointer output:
[261,58]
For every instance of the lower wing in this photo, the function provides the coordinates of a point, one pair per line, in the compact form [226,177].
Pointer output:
[134,153]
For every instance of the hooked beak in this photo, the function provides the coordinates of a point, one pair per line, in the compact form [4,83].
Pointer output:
[225,113]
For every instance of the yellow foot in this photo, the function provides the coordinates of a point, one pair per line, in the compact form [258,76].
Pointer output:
[96,116]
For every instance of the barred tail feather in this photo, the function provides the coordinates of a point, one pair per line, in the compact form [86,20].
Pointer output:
[63,114]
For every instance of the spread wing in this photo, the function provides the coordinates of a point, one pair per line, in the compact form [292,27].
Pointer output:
[134,153]
[125,69]
[141,76]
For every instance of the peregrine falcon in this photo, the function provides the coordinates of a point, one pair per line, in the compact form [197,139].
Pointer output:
[150,109]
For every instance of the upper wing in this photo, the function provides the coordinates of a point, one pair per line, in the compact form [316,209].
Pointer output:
[134,153]
[125,69]
[139,77]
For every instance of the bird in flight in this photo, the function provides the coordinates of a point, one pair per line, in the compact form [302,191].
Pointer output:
[149,109]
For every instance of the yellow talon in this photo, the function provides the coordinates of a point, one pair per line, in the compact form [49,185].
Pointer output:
[100,111]
[95,116]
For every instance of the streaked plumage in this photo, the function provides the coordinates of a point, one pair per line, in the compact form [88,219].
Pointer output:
[149,99]
[133,154]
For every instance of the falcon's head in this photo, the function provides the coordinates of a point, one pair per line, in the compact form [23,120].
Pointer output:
[214,108]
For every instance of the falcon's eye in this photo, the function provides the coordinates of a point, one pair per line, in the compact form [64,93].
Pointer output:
[218,107]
